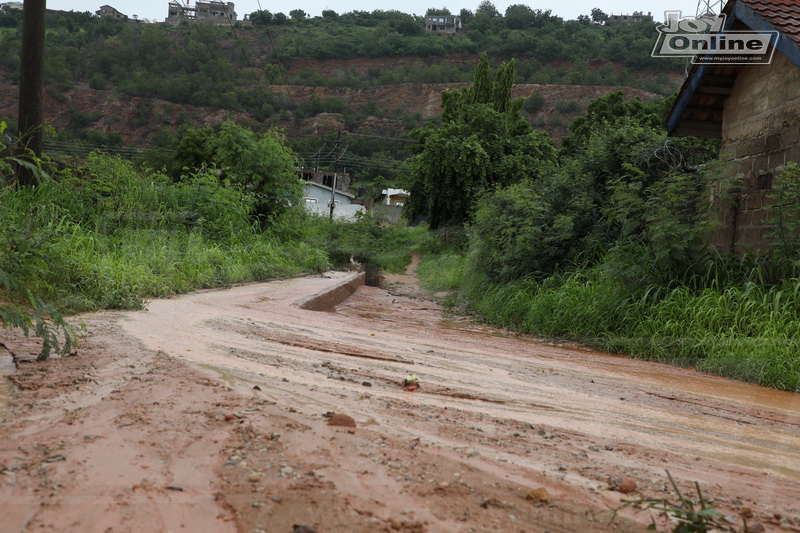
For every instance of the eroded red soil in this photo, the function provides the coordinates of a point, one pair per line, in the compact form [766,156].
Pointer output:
[210,412]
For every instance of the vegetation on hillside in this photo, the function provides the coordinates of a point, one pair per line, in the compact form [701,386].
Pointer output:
[482,143]
[241,69]
[229,66]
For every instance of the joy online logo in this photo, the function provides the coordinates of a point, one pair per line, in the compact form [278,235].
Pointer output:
[705,40]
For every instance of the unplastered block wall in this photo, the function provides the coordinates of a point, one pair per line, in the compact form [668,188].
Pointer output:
[760,134]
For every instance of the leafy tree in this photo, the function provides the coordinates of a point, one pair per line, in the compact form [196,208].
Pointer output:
[531,227]
[613,109]
[482,143]
[598,16]
[192,152]
[261,17]
[534,103]
[261,164]
[519,16]
[625,192]
[330,14]
[466,15]
[487,8]
[433,12]
[298,14]
[280,19]
[408,26]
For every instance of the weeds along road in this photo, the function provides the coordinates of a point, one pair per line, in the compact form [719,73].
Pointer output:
[211,411]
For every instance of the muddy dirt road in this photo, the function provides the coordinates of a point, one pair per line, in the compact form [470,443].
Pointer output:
[211,412]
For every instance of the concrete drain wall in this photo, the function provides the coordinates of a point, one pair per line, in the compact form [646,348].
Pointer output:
[374,277]
[332,296]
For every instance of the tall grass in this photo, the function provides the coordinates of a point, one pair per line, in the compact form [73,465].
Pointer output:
[369,242]
[110,236]
[443,272]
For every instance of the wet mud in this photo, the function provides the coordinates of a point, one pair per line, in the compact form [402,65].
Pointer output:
[496,417]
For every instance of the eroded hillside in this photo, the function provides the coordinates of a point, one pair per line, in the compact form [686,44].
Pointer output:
[138,120]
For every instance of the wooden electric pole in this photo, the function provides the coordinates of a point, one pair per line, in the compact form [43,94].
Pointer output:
[31,86]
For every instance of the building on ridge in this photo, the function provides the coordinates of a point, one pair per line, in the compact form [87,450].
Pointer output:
[637,18]
[443,24]
[208,11]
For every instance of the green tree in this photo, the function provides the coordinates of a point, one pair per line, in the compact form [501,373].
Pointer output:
[298,14]
[330,14]
[261,17]
[599,16]
[262,165]
[442,12]
[482,143]
[487,8]
[612,109]
[519,16]
[531,227]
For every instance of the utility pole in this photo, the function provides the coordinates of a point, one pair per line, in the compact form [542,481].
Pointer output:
[333,194]
[31,86]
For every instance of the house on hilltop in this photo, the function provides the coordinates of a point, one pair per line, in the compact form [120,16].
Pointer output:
[208,11]
[637,18]
[755,110]
[110,12]
[443,24]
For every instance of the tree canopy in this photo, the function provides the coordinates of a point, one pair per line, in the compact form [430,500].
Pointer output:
[482,143]
[260,164]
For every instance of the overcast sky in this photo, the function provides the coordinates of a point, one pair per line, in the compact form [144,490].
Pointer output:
[156,10]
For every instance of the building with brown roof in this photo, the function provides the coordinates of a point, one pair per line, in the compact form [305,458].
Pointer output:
[110,12]
[754,109]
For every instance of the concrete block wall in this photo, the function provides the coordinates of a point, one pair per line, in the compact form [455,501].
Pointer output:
[760,134]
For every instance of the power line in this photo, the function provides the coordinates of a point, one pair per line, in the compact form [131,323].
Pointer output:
[398,139]
[277,64]
[212,55]
[247,59]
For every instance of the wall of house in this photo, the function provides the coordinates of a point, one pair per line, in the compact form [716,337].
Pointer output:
[760,134]
[344,208]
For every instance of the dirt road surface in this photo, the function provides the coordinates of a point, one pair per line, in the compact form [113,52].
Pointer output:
[212,412]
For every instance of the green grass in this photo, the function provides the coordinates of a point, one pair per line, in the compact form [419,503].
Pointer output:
[443,272]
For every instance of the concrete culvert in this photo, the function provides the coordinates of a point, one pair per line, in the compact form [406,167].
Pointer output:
[374,277]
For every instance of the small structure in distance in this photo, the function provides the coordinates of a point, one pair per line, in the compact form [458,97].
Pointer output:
[637,18]
[443,24]
[110,12]
[208,11]
[323,187]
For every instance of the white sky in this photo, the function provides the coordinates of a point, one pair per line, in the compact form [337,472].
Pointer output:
[156,10]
